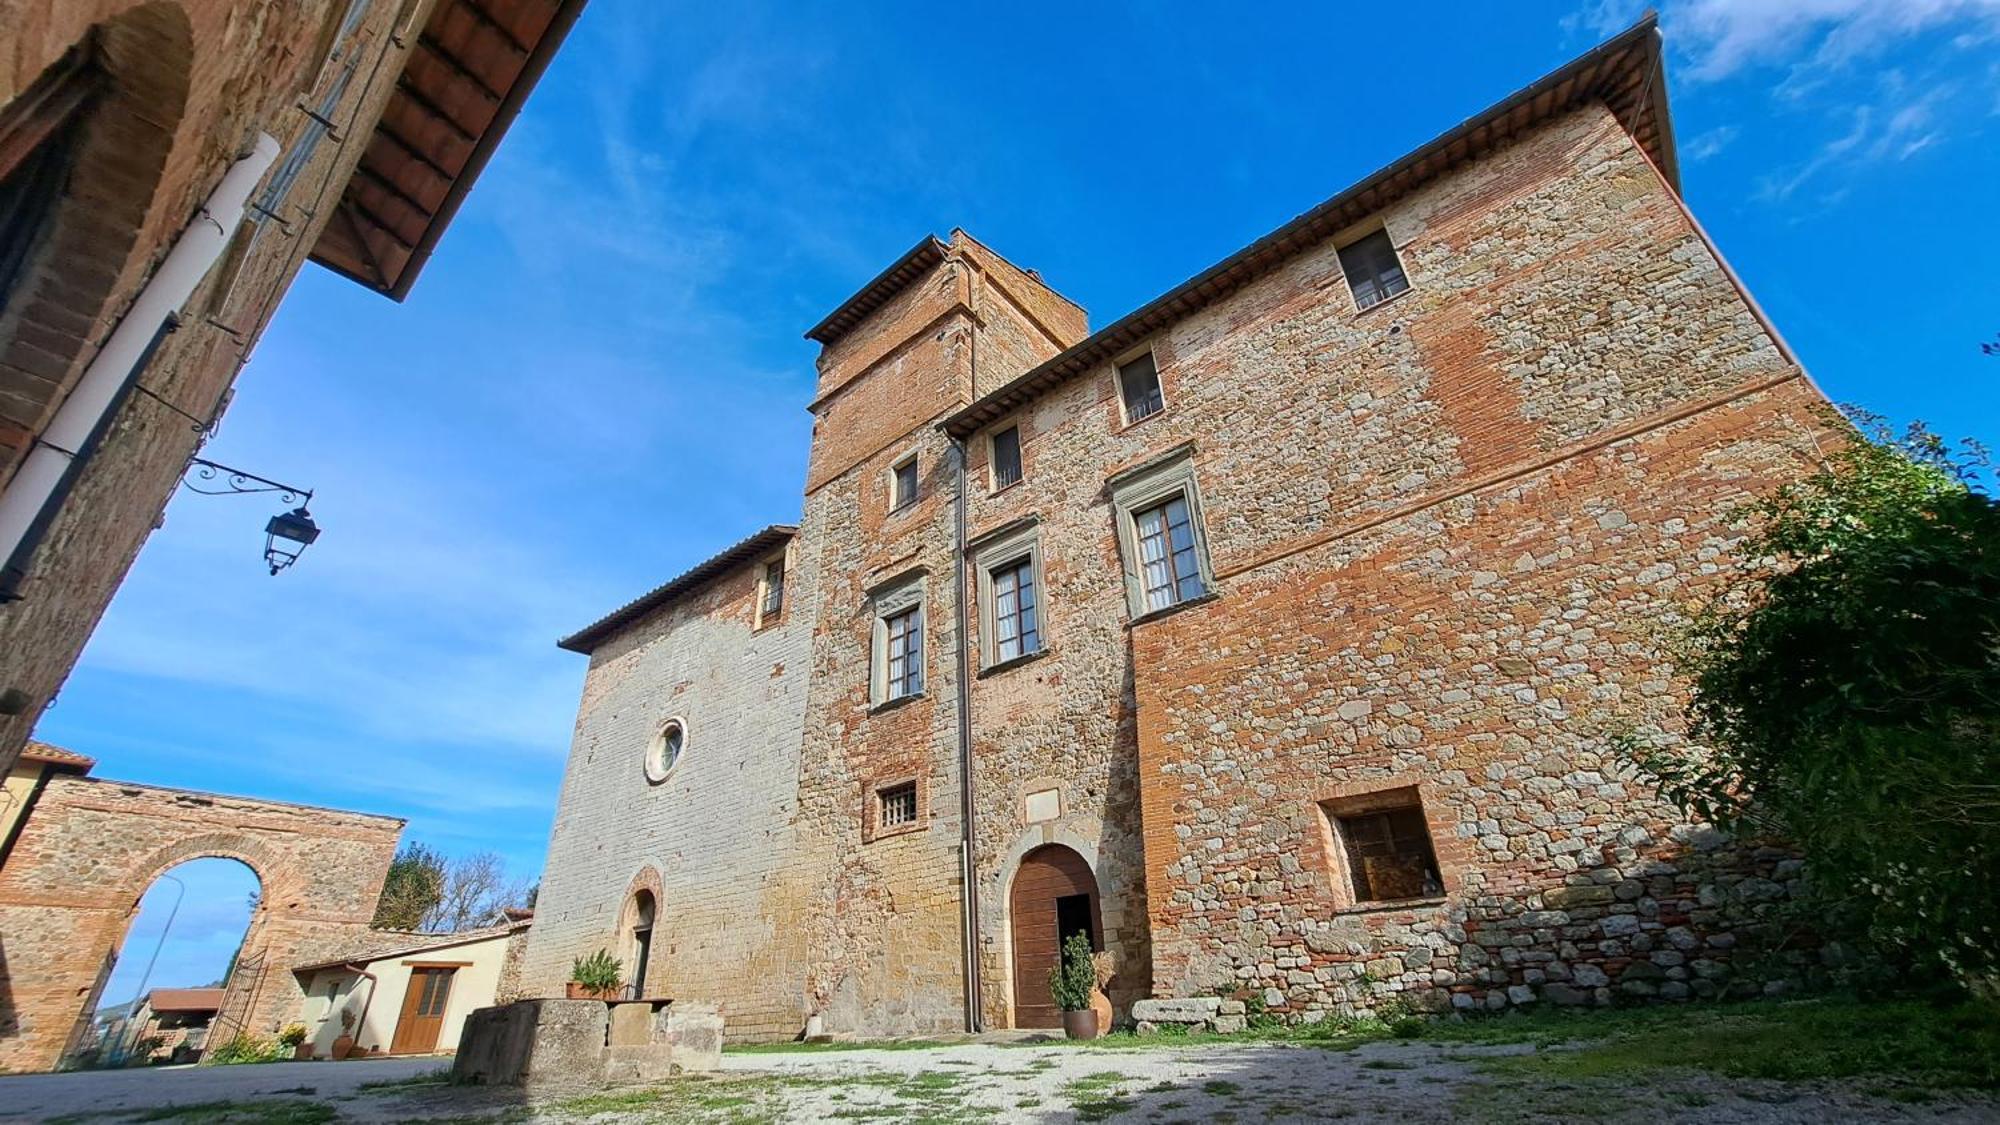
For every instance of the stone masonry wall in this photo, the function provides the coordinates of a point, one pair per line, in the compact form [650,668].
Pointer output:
[1433,561]
[888,938]
[715,841]
[193,81]
[92,847]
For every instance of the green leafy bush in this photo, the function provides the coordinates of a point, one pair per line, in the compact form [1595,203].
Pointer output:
[293,1035]
[599,972]
[1073,980]
[244,1048]
[1847,695]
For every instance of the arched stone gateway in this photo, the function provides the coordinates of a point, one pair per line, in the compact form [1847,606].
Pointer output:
[1054,895]
[70,888]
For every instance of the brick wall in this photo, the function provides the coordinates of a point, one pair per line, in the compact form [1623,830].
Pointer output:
[716,841]
[192,83]
[1446,532]
[91,848]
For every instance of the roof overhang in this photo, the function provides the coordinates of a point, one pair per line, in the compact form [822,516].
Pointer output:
[1625,73]
[466,77]
[919,261]
[729,559]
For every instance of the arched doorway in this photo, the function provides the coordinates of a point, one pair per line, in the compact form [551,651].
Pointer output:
[639,940]
[163,988]
[1054,896]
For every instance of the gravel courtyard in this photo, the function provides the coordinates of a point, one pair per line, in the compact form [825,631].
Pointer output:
[1383,1081]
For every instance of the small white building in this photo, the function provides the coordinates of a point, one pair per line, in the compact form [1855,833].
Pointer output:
[413,998]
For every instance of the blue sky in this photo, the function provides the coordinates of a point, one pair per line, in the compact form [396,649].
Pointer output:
[600,378]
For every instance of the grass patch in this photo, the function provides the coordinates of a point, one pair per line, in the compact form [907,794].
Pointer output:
[797,1047]
[1098,1096]
[1949,1045]
[1220,1088]
[439,1076]
[265,1111]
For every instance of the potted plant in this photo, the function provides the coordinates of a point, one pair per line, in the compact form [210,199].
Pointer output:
[1072,982]
[294,1036]
[595,977]
[343,1044]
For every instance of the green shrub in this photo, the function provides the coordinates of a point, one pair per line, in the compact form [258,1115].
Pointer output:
[293,1035]
[1073,980]
[243,1048]
[600,971]
[1847,696]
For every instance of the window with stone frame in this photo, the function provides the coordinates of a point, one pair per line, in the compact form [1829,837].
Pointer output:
[1385,845]
[1139,387]
[1161,541]
[1374,273]
[1008,563]
[897,644]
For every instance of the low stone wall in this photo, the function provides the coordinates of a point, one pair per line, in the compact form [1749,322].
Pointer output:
[587,1043]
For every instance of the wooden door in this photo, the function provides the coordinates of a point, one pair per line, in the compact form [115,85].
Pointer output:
[1054,896]
[424,1001]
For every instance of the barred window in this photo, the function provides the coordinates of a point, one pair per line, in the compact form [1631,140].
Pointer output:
[896,806]
[1373,272]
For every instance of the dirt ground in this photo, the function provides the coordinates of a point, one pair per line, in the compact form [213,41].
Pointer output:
[1252,1082]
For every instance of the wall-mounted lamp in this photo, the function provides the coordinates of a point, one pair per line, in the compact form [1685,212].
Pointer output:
[288,534]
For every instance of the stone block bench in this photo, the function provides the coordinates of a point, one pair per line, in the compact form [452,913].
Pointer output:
[587,1042]
[1195,1013]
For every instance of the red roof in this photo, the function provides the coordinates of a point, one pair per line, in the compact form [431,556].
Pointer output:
[185,999]
[56,756]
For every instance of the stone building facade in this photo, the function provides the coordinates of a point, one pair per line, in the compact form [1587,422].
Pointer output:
[360,124]
[1349,560]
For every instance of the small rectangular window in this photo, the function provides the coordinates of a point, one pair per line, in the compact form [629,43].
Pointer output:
[1015,632]
[1168,571]
[774,588]
[904,653]
[1006,457]
[903,485]
[1139,385]
[1389,854]
[896,806]
[1373,272]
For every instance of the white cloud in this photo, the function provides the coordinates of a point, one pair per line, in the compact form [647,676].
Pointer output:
[1710,143]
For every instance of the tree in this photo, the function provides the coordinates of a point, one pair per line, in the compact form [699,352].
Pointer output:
[1846,694]
[413,888]
[476,889]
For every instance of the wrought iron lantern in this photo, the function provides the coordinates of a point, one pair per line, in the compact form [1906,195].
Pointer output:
[288,534]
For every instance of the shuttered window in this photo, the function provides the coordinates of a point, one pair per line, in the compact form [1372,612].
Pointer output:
[1389,854]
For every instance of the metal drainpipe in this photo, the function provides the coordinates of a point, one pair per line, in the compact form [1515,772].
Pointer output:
[57,457]
[361,1022]
[968,868]
[968,865]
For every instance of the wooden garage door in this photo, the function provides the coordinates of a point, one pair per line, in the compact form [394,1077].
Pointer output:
[1054,896]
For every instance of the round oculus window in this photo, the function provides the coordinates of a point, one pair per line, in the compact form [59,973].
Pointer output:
[665,750]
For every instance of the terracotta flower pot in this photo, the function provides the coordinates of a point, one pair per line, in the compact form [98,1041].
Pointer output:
[343,1046]
[1080,1024]
[575,991]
